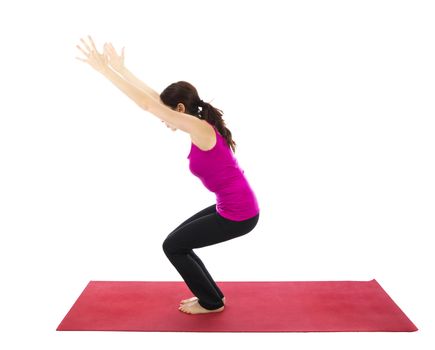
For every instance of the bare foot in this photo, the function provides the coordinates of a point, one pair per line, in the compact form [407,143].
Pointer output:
[194,299]
[195,308]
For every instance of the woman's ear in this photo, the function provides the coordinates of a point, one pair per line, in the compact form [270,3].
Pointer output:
[181,108]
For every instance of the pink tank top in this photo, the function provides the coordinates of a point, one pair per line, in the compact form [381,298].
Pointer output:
[220,173]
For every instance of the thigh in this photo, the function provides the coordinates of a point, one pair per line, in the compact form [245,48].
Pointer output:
[201,232]
[209,210]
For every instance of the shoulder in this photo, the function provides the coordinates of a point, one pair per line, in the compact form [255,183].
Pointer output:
[204,137]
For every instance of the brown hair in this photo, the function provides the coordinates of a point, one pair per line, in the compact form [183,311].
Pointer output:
[185,93]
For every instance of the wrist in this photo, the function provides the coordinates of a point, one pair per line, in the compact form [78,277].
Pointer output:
[122,70]
[108,72]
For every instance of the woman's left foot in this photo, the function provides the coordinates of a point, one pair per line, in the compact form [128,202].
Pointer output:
[195,308]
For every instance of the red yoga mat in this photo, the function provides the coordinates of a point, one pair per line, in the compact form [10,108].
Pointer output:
[272,306]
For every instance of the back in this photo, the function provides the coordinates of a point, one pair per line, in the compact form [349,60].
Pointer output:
[220,173]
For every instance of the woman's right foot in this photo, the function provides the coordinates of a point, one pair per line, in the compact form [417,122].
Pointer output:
[194,299]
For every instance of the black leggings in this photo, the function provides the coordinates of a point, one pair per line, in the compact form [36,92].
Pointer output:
[205,228]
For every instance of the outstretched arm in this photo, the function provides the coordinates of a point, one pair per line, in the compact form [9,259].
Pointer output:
[185,122]
[141,97]
[116,61]
[100,62]
[130,77]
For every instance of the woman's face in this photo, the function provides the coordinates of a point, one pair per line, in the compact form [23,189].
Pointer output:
[179,108]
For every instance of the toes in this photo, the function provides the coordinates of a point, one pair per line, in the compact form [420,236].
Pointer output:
[183,309]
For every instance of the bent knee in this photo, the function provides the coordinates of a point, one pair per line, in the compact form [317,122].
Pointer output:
[166,245]
[169,246]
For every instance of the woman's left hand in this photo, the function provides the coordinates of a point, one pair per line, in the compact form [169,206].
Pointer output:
[97,60]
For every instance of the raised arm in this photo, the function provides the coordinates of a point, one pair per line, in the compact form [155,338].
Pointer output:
[185,122]
[117,63]
[144,99]
[130,77]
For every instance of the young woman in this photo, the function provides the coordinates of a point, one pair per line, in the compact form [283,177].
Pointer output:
[211,159]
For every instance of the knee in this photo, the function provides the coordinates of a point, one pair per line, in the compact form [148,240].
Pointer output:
[167,246]
[171,247]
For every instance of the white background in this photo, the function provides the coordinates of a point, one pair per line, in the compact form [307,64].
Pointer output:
[331,104]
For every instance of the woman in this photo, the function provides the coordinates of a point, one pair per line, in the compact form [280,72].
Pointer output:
[211,159]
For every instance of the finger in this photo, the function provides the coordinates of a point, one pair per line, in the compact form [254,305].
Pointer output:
[92,42]
[114,50]
[109,49]
[86,54]
[86,45]
[85,61]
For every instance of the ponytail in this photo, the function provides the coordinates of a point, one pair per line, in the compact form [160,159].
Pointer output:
[214,116]
[184,92]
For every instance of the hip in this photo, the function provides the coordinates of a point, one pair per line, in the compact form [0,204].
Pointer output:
[243,226]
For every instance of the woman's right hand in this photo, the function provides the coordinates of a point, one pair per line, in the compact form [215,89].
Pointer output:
[115,61]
